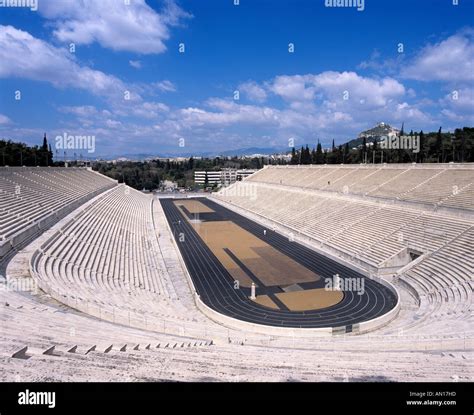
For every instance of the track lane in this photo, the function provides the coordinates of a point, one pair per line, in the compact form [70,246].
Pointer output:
[215,285]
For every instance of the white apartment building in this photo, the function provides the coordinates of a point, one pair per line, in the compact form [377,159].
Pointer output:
[213,177]
[223,177]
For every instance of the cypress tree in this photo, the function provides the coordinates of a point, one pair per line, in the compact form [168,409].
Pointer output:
[45,144]
[294,159]
[307,156]
[346,153]
[374,150]
[319,154]
[422,146]
[439,145]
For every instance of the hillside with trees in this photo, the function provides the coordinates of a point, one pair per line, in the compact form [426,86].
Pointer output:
[20,154]
[435,147]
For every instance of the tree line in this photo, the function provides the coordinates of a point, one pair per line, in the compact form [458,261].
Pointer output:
[151,174]
[435,147]
[20,154]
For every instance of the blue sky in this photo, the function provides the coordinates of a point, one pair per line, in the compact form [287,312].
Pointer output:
[395,61]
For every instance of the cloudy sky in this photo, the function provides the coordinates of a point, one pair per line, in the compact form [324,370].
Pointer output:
[192,76]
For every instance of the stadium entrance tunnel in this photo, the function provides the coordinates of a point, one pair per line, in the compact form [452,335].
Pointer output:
[245,273]
[415,254]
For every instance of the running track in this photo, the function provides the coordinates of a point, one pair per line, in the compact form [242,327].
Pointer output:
[215,285]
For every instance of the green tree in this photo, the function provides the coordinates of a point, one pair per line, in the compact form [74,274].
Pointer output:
[319,154]
[306,155]
[439,150]
[421,154]
[294,157]
[374,150]
[346,152]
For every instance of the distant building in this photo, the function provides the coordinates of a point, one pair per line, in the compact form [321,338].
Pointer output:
[169,186]
[223,177]
[282,157]
[242,174]
[228,176]
[213,177]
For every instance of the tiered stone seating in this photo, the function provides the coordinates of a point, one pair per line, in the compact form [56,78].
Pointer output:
[403,181]
[115,260]
[108,257]
[463,199]
[448,272]
[446,185]
[36,323]
[373,232]
[374,229]
[34,198]
[87,349]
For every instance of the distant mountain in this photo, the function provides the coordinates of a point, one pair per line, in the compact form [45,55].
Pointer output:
[131,157]
[228,153]
[255,150]
[381,129]
[374,133]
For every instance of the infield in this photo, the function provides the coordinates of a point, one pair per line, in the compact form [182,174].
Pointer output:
[225,252]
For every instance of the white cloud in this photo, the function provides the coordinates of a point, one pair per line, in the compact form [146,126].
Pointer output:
[311,106]
[379,64]
[114,24]
[81,110]
[373,92]
[458,106]
[164,86]
[135,64]
[4,120]
[227,113]
[302,90]
[113,123]
[24,56]
[253,91]
[150,110]
[294,88]
[314,105]
[450,60]
[88,114]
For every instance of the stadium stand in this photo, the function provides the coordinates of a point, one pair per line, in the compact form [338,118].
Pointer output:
[443,185]
[376,235]
[445,281]
[80,344]
[428,249]
[110,298]
[32,199]
[107,262]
